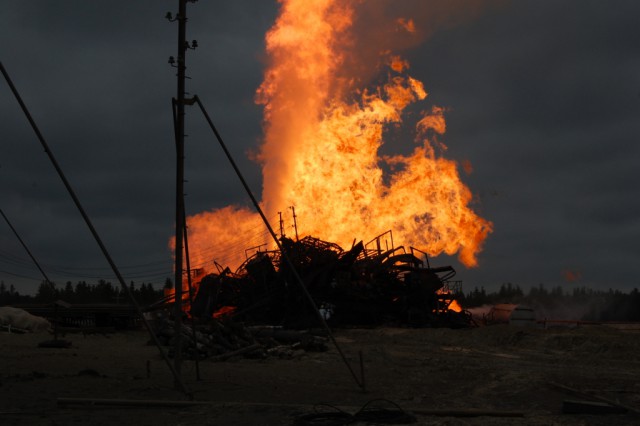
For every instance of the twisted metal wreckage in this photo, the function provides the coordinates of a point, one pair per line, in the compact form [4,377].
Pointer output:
[365,285]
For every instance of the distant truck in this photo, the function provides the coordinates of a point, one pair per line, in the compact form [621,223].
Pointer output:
[513,314]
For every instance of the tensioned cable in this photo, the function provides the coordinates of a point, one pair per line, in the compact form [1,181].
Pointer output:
[25,246]
[283,253]
[103,248]
[19,275]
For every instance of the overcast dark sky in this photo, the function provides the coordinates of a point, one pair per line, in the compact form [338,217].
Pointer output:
[543,98]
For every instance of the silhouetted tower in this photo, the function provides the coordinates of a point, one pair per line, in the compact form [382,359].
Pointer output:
[179,122]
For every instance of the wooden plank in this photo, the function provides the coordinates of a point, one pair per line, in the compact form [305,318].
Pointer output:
[466,412]
[151,403]
[591,396]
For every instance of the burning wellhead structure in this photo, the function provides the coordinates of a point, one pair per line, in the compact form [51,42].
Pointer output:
[369,284]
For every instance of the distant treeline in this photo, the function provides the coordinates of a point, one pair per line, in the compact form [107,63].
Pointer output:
[83,292]
[578,303]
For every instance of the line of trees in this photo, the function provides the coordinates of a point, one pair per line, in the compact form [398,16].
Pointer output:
[83,292]
[578,303]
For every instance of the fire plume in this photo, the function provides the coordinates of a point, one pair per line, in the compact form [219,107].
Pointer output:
[323,131]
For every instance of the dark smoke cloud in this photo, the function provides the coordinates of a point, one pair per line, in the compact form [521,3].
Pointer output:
[385,27]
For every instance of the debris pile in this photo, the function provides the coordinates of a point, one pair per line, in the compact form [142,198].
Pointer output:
[220,340]
[365,285]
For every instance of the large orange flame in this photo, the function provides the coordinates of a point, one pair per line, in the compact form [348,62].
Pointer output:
[321,147]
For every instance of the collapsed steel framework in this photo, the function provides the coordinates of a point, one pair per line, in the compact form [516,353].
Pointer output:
[369,284]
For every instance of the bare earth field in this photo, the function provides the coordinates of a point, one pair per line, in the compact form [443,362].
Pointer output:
[498,368]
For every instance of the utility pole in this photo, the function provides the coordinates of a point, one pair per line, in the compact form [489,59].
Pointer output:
[179,124]
[295,223]
[281,225]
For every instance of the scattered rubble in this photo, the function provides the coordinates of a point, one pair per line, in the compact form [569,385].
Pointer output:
[219,340]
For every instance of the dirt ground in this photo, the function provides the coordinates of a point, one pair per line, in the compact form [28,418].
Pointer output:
[497,368]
